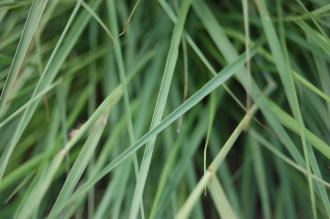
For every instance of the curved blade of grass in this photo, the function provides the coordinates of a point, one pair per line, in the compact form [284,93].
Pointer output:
[212,109]
[227,178]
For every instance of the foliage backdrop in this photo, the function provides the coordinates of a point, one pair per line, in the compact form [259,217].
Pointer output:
[164,109]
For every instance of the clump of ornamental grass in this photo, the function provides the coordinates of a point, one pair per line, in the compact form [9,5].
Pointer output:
[164,109]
